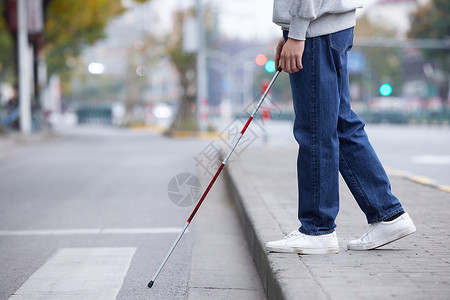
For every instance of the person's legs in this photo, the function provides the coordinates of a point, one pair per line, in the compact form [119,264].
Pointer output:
[316,105]
[315,93]
[358,162]
[331,138]
[361,168]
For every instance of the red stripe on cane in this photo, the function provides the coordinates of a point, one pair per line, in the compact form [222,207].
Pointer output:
[205,193]
[246,125]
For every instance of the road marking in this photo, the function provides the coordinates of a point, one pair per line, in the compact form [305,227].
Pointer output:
[432,159]
[79,273]
[94,231]
[444,188]
[418,179]
[423,180]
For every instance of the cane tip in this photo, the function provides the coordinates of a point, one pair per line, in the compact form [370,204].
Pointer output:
[150,284]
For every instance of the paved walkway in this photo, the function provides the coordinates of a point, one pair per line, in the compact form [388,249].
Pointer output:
[221,265]
[263,183]
[13,142]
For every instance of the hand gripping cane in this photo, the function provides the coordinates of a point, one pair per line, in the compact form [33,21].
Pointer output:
[150,284]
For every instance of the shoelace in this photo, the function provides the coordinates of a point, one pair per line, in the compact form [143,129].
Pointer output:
[293,234]
[369,229]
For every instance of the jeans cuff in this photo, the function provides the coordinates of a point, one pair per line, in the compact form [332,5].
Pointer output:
[302,230]
[387,216]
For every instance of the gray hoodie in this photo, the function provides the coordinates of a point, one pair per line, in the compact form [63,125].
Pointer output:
[310,18]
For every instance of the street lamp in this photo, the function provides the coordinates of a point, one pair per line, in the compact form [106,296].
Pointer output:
[96,68]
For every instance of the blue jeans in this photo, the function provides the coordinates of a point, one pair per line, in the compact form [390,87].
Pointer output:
[332,139]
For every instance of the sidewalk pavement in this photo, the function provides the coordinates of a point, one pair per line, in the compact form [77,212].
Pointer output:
[15,141]
[264,186]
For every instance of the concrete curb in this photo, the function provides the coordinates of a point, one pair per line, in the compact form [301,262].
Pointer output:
[259,256]
[283,276]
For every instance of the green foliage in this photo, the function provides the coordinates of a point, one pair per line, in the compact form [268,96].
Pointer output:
[432,22]
[70,26]
[6,46]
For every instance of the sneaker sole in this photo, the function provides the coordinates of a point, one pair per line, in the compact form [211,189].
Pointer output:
[304,251]
[387,240]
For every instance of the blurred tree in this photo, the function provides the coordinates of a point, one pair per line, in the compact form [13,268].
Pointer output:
[432,21]
[6,57]
[6,44]
[70,25]
[185,63]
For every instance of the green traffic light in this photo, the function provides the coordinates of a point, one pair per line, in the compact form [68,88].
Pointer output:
[270,66]
[385,89]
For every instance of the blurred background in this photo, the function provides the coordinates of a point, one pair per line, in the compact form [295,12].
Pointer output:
[184,64]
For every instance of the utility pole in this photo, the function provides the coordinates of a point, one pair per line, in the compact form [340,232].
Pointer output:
[24,74]
[202,81]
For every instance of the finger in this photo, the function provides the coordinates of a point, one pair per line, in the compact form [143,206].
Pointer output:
[283,63]
[278,50]
[289,65]
[299,63]
[294,65]
[277,59]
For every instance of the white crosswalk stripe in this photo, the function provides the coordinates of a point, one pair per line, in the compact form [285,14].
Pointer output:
[79,273]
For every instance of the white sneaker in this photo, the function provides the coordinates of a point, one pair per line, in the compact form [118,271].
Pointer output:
[382,233]
[306,244]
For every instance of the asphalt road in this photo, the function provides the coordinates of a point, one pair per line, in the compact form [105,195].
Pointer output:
[419,150]
[96,189]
